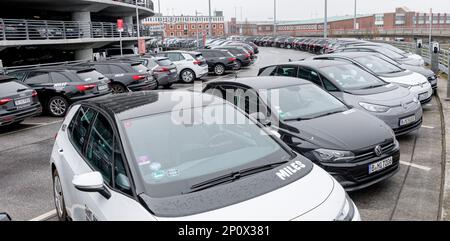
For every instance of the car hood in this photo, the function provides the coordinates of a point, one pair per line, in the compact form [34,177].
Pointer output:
[289,202]
[350,131]
[414,56]
[411,61]
[418,69]
[389,95]
[406,77]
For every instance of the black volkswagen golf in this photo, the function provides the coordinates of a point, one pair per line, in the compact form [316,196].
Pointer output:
[17,101]
[59,87]
[356,148]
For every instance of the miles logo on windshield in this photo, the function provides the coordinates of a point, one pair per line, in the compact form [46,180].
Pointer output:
[290,170]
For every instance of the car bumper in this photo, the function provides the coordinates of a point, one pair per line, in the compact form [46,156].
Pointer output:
[20,115]
[88,96]
[166,79]
[355,176]
[201,71]
[424,94]
[147,85]
[394,115]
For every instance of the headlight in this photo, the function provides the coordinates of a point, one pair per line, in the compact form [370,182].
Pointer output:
[347,212]
[374,108]
[325,155]
[417,101]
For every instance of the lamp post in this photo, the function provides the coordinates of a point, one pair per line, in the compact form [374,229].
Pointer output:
[325,22]
[210,20]
[274,17]
[196,27]
[137,22]
[354,20]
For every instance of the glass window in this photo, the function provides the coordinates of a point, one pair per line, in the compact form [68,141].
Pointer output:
[91,76]
[287,70]
[204,150]
[38,78]
[311,75]
[175,57]
[139,68]
[99,150]
[79,127]
[269,71]
[59,78]
[304,102]
[352,77]
[165,62]
[102,69]
[328,85]
[117,69]
[377,65]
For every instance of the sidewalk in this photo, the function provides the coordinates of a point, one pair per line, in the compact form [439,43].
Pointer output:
[442,91]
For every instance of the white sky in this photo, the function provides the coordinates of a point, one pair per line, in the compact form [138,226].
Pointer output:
[262,10]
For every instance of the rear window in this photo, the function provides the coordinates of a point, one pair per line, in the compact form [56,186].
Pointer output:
[140,68]
[164,62]
[10,87]
[91,76]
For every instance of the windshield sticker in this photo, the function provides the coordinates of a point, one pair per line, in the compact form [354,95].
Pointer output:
[290,170]
[128,124]
[349,112]
[143,160]
[158,175]
[155,166]
[172,172]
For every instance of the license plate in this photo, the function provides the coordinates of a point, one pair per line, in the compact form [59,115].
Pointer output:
[423,96]
[102,87]
[173,70]
[407,120]
[22,101]
[381,165]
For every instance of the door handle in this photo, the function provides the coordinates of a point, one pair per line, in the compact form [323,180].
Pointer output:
[61,151]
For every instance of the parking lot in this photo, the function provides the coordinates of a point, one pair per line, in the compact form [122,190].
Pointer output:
[412,194]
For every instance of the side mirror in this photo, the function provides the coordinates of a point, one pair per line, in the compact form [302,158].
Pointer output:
[5,217]
[91,182]
[261,118]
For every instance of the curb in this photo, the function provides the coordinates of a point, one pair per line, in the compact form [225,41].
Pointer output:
[444,214]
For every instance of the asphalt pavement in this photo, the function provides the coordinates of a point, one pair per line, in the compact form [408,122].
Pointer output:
[412,194]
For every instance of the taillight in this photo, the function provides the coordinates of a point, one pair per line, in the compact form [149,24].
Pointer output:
[138,77]
[247,56]
[85,87]
[5,101]
[197,62]
[231,59]
[34,93]
[164,69]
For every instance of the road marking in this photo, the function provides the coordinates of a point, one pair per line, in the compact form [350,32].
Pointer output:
[416,166]
[33,127]
[428,127]
[45,216]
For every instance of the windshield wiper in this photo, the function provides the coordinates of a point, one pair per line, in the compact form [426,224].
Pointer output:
[297,119]
[233,177]
[372,87]
[330,113]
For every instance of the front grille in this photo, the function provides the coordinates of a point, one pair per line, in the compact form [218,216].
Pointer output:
[369,153]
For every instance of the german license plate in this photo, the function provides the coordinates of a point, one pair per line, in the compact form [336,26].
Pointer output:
[23,101]
[173,70]
[381,165]
[102,87]
[423,96]
[407,120]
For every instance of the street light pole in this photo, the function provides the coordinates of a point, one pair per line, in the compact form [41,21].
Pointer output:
[354,20]
[325,22]
[196,27]
[210,20]
[274,17]
[137,22]
[431,27]
[159,7]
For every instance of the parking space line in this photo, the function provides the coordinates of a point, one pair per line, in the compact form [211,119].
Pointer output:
[37,125]
[416,166]
[45,216]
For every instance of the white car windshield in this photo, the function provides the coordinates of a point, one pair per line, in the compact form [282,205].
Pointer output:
[352,77]
[172,157]
[377,65]
[304,102]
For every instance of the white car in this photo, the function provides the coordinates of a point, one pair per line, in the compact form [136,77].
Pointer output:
[389,72]
[152,156]
[190,65]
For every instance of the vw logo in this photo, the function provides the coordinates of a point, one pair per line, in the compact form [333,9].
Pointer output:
[378,151]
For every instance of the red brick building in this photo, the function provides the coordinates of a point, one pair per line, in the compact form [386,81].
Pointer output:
[188,26]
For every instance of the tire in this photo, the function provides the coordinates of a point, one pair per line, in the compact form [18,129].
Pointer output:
[118,88]
[187,76]
[167,86]
[57,106]
[238,65]
[58,197]
[219,69]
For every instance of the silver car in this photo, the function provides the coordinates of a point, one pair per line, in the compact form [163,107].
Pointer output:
[395,105]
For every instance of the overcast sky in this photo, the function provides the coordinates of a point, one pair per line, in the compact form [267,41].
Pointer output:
[262,10]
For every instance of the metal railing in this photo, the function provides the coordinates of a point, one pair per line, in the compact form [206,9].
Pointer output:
[24,29]
[141,3]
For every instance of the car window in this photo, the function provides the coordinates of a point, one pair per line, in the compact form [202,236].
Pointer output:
[352,77]
[121,179]
[328,85]
[79,127]
[102,68]
[287,70]
[59,78]
[151,64]
[165,62]
[115,69]
[377,65]
[99,150]
[249,101]
[90,76]
[38,78]
[269,71]
[311,75]
[10,87]
[18,75]
[175,57]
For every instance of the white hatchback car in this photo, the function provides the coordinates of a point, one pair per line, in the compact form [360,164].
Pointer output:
[134,157]
[190,65]
[389,72]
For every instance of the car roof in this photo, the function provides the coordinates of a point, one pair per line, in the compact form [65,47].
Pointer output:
[346,54]
[314,63]
[144,103]
[264,82]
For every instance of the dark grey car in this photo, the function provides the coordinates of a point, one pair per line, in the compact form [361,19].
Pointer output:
[125,75]
[355,147]
[17,101]
[164,71]
[219,60]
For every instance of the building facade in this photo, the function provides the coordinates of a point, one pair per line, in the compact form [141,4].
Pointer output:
[188,26]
